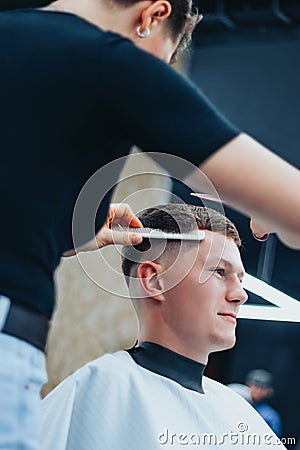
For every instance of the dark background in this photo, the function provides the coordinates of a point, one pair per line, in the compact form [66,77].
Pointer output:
[245,58]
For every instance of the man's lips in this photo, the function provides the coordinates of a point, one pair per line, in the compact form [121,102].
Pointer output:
[230,315]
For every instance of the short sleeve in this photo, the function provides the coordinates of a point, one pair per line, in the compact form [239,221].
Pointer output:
[158,109]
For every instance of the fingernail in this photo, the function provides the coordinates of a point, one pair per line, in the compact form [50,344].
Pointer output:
[136,239]
[261,237]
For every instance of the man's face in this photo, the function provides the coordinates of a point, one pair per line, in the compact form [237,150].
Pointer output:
[201,309]
[259,393]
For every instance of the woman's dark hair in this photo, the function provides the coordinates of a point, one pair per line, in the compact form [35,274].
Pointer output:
[182,21]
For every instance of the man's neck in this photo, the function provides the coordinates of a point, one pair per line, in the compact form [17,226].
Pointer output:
[175,345]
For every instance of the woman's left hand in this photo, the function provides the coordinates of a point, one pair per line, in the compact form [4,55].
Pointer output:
[118,214]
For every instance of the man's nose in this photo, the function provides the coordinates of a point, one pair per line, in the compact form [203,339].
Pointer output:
[236,293]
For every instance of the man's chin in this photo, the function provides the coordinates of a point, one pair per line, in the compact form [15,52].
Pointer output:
[231,343]
[225,344]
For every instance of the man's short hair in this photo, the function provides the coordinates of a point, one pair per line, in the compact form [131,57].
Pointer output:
[175,218]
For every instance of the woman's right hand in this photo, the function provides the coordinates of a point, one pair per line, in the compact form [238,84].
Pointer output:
[260,231]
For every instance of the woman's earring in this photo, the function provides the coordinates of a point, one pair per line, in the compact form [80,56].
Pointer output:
[145,34]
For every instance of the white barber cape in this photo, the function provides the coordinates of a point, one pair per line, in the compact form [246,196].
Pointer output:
[114,404]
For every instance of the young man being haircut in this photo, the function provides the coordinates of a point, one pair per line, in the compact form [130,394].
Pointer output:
[187,295]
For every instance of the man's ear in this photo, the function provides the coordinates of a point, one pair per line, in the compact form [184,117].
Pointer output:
[155,14]
[148,274]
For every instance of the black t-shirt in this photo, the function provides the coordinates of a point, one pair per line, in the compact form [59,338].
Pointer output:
[74,98]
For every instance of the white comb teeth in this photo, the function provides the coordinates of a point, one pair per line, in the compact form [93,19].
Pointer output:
[195,235]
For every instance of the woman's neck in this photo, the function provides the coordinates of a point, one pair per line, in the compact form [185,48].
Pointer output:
[103,14]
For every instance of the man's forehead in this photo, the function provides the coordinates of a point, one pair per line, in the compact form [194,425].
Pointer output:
[217,247]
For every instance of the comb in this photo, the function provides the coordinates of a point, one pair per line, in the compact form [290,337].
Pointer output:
[205,196]
[195,235]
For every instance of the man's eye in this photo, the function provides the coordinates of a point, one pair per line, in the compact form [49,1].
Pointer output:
[219,271]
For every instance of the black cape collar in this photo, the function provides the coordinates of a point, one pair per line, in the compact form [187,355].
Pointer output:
[169,364]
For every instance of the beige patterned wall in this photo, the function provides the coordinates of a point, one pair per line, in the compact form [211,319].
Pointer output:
[89,320]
